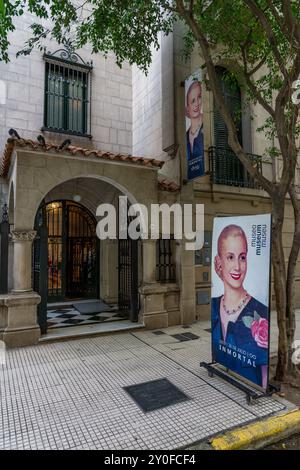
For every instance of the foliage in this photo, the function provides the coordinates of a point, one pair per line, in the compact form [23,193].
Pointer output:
[130,28]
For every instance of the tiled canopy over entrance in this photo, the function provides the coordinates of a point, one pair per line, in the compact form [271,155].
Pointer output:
[33,171]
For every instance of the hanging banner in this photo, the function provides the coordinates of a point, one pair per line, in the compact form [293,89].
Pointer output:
[194,126]
[240,304]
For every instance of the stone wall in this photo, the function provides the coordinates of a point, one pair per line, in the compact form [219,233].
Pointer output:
[22,95]
[153,109]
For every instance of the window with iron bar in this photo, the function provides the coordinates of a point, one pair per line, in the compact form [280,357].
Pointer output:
[67,98]
[165,266]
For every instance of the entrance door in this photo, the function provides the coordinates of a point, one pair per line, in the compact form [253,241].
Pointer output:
[72,248]
[82,254]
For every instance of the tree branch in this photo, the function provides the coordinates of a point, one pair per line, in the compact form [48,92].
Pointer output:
[292,25]
[191,7]
[170,8]
[252,87]
[274,12]
[232,132]
[257,67]
[267,27]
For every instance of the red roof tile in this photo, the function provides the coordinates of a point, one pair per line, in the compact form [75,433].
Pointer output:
[166,185]
[71,150]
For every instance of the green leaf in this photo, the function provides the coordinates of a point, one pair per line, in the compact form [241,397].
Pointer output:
[2,8]
[248,321]
[256,316]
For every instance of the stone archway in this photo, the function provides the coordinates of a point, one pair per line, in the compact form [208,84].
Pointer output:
[35,174]
[53,271]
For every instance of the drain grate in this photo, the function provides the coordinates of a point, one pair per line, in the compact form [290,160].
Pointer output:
[190,335]
[154,395]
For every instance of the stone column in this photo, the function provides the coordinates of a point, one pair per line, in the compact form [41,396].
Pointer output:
[19,310]
[187,285]
[149,261]
[186,261]
[22,240]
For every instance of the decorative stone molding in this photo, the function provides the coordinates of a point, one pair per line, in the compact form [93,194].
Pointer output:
[21,298]
[158,288]
[23,235]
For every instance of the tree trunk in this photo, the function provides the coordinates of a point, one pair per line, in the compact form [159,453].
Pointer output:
[290,287]
[279,271]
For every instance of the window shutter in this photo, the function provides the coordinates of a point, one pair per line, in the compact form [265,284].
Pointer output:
[233,100]
[228,169]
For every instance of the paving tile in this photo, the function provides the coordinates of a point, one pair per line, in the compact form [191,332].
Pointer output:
[70,395]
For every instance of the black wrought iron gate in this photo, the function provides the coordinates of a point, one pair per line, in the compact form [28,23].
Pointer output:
[4,238]
[128,278]
[65,255]
[40,265]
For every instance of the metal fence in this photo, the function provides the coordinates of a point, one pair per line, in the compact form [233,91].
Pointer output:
[165,265]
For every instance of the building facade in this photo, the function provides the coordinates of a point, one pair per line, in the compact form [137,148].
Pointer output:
[88,132]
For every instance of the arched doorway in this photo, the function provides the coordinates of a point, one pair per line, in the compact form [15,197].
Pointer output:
[66,264]
[67,234]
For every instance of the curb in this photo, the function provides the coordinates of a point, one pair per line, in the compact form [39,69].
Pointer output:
[259,434]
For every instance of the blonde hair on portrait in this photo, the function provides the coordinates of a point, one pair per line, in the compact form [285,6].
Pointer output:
[194,82]
[229,231]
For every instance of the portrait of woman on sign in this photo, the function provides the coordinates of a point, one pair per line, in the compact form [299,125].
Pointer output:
[194,126]
[240,321]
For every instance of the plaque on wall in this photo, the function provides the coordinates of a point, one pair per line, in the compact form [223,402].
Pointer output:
[203,297]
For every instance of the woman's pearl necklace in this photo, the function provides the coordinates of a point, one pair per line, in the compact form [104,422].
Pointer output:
[239,307]
[196,131]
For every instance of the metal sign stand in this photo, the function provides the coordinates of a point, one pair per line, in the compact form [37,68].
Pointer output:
[251,393]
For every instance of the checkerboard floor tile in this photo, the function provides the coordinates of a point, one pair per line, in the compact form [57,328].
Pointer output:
[62,317]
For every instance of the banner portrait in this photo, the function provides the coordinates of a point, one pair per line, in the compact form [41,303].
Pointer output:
[240,310]
[194,126]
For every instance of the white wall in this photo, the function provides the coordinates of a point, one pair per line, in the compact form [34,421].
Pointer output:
[154,111]
[147,109]
[153,103]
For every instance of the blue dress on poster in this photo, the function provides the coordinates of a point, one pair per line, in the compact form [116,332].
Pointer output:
[239,352]
[195,158]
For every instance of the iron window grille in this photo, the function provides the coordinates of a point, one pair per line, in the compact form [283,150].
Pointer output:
[67,106]
[225,168]
[165,266]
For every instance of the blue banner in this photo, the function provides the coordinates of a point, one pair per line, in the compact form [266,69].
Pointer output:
[194,126]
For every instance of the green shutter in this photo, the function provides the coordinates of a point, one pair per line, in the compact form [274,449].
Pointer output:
[228,169]
[232,95]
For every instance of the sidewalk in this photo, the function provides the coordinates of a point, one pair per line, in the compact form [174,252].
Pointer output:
[69,395]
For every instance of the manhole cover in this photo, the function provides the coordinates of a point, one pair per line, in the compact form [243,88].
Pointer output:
[190,335]
[150,396]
